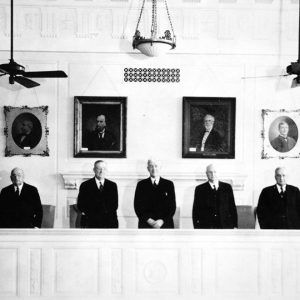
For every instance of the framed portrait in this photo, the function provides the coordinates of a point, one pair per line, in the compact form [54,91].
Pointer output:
[100,126]
[208,127]
[280,133]
[26,130]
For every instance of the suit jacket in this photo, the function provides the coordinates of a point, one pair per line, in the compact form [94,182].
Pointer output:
[213,143]
[283,145]
[155,202]
[214,209]
[99,207]
[270,209]
[23,211]
[29,140]
[108,142]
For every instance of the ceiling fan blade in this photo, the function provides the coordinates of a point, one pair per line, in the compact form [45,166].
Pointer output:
[267,76]
[25,82]
[45,74]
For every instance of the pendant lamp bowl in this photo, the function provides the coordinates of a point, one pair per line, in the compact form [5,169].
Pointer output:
[153,47]
[156,44]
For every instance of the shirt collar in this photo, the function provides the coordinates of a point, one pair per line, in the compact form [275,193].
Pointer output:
[156,180]
[216,184]
[99,181]
[279,188]
[19,186]
[284,137]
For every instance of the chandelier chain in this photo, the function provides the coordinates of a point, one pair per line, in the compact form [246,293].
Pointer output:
[169,17]
[154,19]
[140,16]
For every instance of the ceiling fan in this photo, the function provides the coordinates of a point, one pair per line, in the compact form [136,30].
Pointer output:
[17,72]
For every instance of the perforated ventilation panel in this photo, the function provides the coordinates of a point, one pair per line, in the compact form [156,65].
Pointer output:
[152,75]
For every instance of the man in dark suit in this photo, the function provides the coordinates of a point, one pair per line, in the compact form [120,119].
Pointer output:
[27,137]
[101,138]
[154,199]
[98,200]
[214,205]
[20,204]
[279,205]
[210,140]
[283,142]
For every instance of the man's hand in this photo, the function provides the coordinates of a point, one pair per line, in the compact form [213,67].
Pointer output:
[158,223]
[151,222]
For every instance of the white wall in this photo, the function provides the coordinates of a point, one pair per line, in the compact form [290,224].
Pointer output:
[218,42]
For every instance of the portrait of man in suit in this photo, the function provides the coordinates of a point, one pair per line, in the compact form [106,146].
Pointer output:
[154,199]
[208,127]
[100,126]
[26,131]
[20,204]
[101,138]
[214,206]
[279,205]
[283,142]
[210,139]
[98,200]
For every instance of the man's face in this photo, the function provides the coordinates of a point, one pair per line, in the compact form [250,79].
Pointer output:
[208,122]
[284,129]
[26,127]
[280,177]
[101,124]
[153,168]
[17,177]
[211,174]
[100,170]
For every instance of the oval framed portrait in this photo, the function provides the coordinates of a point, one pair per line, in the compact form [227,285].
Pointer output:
[280,133]
[26,130]
[283,134]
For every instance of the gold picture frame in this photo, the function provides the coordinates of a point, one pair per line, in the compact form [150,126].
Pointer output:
[26,130]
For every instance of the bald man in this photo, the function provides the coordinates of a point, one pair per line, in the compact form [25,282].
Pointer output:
[20,204]
[279,205]
[154,199]
[214,206]
[98,200]
[101,138]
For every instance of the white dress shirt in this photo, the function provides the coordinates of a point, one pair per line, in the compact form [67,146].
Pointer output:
[99,181]
[216,184]
[279,188]
[155,180]
[19,187]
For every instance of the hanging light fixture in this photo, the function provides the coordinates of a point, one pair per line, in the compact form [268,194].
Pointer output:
[154,45]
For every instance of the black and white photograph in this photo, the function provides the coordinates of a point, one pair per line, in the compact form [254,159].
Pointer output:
[208,127]
[150,150]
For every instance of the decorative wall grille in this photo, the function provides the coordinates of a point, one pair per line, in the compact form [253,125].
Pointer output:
[168,75]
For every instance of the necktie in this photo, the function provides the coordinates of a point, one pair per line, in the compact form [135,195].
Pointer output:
[154,183]
[214,187]
[17,192]
[281,192]
[101,187]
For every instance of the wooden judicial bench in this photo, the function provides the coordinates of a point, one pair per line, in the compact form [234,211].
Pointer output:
[149,264]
